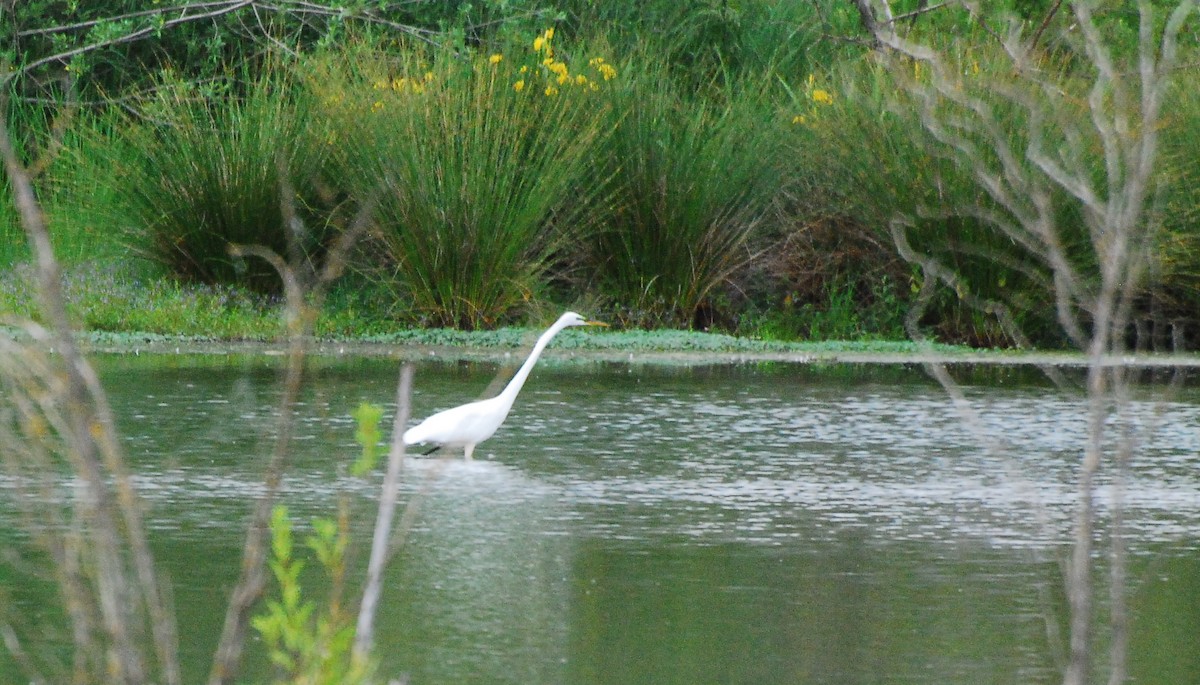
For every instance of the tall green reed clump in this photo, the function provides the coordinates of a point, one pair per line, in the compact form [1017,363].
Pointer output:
[32,130]
[201,174]
[69,195]
[12,239]
[1172,316]
[480,166]
[692,180]
[877,165]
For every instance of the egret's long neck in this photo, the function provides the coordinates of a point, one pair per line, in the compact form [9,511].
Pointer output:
[514,386]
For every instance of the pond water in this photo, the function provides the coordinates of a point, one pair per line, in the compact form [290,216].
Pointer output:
[765,523]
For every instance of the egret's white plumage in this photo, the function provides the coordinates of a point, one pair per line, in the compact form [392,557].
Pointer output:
[471,424]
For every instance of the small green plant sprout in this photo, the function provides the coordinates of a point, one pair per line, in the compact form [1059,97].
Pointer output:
[367,417]
[308,645]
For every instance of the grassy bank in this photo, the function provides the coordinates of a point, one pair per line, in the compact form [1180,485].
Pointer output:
[657,165]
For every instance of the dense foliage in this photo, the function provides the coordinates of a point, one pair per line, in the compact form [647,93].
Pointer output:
[696,164]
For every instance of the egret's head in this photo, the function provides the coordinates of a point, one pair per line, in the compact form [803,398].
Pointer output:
[573,319]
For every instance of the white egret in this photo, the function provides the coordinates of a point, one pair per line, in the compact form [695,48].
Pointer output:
[470,424]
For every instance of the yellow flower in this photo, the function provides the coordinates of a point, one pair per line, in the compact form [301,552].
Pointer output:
[607,71]
[377,106]
[519,85]
[581,80]
[551,91]
[821,96]
[542,42]
[559,69]
[379,84]
[524,69]
[495,59]
[399,84]
[798,119]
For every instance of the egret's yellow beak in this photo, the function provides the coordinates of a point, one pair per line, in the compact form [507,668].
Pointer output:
[595,323]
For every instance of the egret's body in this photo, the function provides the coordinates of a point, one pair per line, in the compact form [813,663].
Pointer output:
[471,424]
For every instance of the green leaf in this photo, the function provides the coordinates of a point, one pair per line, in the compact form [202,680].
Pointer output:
[367,417]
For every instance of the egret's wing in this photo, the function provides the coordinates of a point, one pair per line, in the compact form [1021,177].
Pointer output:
[467,424]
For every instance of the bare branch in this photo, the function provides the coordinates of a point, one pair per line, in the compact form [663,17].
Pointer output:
[304,295]
[364,635]
[908,16]
[1094,293]
[1050,14]
[112,511]
[213,9]
[222,8]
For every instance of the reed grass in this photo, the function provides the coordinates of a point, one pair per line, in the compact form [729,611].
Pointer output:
[1175,296]
[204,174]
[881,164]
[481,169]
[12,238]
[693,179]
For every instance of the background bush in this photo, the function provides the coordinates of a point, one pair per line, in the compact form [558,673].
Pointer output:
[203,174]
[479,168]
[692,180]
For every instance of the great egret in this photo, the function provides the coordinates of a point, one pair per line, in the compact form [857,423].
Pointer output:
[470,424]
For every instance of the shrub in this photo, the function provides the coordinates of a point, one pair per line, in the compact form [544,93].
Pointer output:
[880,165]
[205,174]
[692,180]
[12,239]
[479,167]
[1169,317]
[706,42]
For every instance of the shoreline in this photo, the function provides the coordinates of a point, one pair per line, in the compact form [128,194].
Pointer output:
[645,353]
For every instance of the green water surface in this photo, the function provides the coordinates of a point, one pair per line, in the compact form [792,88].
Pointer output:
[767,523]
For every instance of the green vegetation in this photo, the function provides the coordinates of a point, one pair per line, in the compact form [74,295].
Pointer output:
[308,643]
[693,164]
[207,173]
[479,167]
[692,180]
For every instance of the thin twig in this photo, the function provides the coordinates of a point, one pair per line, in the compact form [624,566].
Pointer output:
[922,10]
[129,37]
[83,25]
[304,297]
[365,632]
[1037,35]
[115,517]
